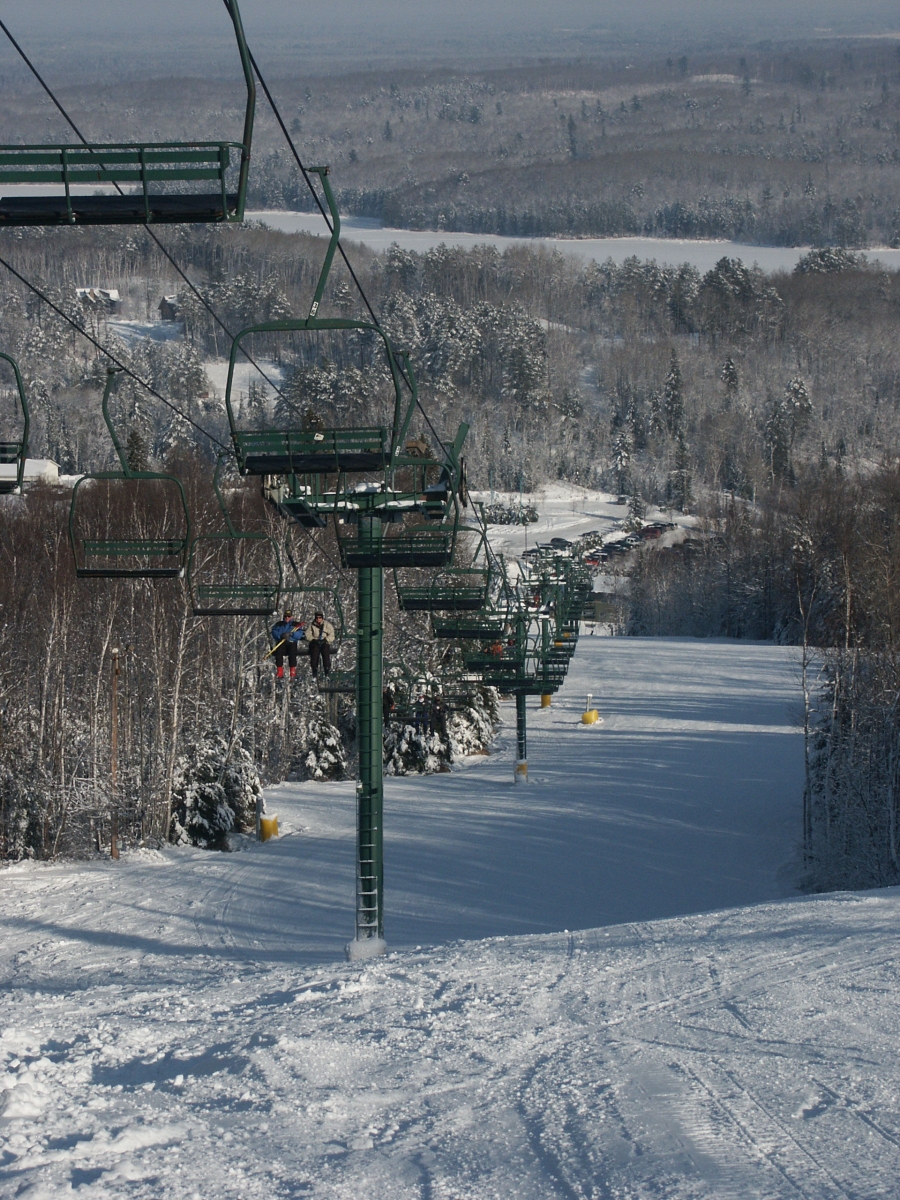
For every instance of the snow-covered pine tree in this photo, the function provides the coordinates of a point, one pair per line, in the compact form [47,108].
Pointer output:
[731,379]
[322,755]
[471,729]
[636,511]
[621,459]
[214,793]
[673,397]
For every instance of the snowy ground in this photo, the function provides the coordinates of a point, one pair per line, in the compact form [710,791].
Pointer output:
[181,1024]
[245,373]
[568,511]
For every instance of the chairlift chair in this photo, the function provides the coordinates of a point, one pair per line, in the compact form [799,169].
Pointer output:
[215,589]
[13,453]
[294,595]
[428,486]
[418,547]
[481,627]
[138,556]
[158,176]
[314,451]
[461,589]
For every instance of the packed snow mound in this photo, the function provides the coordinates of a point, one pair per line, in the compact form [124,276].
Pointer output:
[361,949]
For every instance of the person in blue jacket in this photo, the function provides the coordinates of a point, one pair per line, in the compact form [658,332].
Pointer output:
[290,632]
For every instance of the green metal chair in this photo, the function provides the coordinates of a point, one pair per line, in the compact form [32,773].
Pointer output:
[408,548]
[214,566]
[481,627]
[297,595]
[14,453]
[299,462]
[159,176]
[145,554]
[461,589]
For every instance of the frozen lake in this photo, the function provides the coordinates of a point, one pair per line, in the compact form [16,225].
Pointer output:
[700,254]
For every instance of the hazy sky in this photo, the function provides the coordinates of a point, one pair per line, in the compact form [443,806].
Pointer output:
[444,28]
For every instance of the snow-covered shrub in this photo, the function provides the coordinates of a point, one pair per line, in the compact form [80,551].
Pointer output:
[411,749]
[21,814]
[321,749]
[472,729]
[214,793]
[429,740]
[499,513]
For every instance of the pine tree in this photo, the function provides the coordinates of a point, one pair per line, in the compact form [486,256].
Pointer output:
[731,379]
[621,460]
[323,755]
[673,398]
[681,481]
[136,453]
[777,438]
[636,511]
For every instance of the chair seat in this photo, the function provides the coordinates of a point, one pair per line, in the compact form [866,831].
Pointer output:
[116,210]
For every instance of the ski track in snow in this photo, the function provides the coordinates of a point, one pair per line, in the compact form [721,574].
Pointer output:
[599,987]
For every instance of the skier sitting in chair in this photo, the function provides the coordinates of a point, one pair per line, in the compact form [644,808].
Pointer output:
[320,636]
[287,634]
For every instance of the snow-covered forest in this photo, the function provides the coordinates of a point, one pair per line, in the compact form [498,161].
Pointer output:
[767,143]
[201,724]
[766,405]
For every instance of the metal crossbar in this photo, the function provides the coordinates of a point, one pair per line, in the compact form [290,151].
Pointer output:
[467,627]
[236,600]
[441,599]
[138,547]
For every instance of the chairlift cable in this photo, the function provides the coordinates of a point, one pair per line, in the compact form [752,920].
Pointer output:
[118,188]
[316,546]
[109,354]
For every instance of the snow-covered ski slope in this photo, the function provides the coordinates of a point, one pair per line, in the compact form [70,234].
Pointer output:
[181,1024]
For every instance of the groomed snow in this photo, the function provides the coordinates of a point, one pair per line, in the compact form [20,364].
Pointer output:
[183,1024]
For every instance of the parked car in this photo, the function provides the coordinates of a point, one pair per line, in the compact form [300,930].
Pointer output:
[560,543]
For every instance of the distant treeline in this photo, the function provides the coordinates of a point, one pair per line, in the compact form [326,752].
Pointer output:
[803,222]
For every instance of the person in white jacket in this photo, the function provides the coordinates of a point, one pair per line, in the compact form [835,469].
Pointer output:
[320,635]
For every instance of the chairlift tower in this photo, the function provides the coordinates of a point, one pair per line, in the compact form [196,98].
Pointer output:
[370,485]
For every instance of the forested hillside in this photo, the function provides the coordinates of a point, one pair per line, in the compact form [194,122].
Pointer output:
[596,374]
[772,144]
[768,405]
